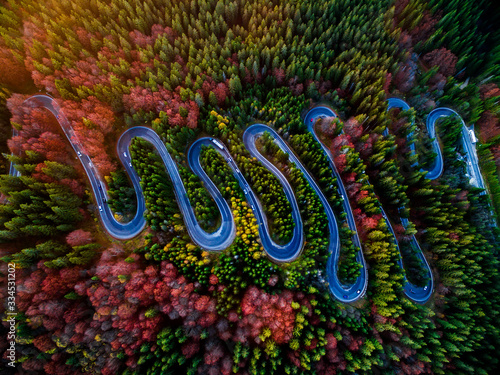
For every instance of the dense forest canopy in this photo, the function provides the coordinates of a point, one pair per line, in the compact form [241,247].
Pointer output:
[159,303]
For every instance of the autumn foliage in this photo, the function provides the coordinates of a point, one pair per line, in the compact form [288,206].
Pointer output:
[178,309]
[92,121]
[263,310]
[40,134]
[444,59]
[166,101]
[489,126]
[489,90]
[12,72]
[79,237]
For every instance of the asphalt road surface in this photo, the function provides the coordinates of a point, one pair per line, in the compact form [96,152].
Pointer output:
[225,234]
[420,294]
[118,230]
[348,293]
[279,253]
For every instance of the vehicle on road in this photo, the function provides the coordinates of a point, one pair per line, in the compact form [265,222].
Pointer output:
[217,143]
[472,136]
[353,293]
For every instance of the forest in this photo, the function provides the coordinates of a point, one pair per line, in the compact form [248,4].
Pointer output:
[160,301]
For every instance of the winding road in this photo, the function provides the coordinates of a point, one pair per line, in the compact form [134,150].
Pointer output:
[423,294]
[437,169]
[417,294]
[342,293]
[279,253]
[358,288]
[121,231]
[476,179]
[225,234]
[420,294]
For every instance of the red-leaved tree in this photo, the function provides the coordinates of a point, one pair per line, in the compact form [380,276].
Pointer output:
[443,58]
